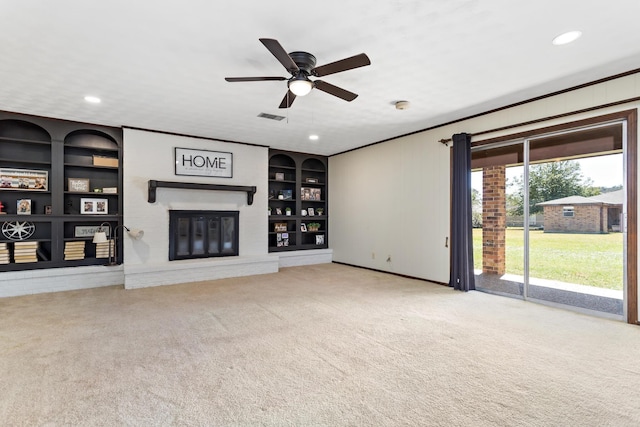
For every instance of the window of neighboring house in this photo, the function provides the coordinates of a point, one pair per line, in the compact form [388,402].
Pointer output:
[567,211]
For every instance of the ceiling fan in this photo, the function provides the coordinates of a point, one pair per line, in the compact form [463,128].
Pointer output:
[301,65]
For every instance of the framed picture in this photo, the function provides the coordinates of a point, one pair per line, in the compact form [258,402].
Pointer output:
[280,226]
[303,227]
[94,206]
[78,185]
[310,212]
[307,193]
[24,179]
[23,207]
[48,210]
[192,162]
[282,239]
[319,239]
[287,194]
[279,176]
[278,211]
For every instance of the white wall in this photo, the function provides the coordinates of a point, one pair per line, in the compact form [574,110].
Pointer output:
[393,198]
[391,201]
[150,156]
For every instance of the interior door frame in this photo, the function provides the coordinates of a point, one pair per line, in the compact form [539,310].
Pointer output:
[631,184]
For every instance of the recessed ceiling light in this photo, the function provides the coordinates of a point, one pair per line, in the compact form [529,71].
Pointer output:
[314,137]
[92,99]
[567,37]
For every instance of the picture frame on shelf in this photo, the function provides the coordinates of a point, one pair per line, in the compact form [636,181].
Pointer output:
[24,179]
[279,176]
[23,206]
[278,211]
[310,212]
[48,210]
[94,206]
[282,239]
[308,193]
[287,194]
[319,239]
[78,185]
[280,226]
[303,227]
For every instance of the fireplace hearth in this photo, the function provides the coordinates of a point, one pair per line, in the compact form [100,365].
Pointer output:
[203,234]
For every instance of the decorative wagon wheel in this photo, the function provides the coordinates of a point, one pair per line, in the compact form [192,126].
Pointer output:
[18,230]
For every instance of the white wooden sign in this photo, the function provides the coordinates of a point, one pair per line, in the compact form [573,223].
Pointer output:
[203,163]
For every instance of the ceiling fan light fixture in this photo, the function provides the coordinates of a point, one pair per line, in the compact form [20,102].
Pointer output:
[300,85]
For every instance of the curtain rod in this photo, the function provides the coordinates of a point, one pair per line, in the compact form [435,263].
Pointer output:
[446,141]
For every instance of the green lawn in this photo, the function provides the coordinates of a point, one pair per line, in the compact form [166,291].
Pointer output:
[587,259]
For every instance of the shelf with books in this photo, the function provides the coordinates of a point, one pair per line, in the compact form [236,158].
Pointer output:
[32,148]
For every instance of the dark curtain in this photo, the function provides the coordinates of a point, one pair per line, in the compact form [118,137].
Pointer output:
[461,278]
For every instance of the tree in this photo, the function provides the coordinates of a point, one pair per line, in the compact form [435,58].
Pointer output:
[476,208]
[549,181]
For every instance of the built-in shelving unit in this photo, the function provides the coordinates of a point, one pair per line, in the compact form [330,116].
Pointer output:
[297,198]
[61,150]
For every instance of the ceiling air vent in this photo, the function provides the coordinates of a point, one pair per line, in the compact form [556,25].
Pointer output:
[270,116]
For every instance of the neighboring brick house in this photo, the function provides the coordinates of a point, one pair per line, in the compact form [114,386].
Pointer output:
[577,214]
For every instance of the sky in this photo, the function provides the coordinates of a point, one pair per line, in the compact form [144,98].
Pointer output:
[604,171]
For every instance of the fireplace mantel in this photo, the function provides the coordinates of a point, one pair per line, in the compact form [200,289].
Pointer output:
[153,185]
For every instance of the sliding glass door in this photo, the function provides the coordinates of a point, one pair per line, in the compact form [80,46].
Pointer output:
[553,209]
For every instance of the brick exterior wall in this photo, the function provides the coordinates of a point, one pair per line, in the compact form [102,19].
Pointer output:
[494,217]
[586,219]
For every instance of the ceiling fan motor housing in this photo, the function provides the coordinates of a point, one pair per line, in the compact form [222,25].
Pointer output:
[304,60]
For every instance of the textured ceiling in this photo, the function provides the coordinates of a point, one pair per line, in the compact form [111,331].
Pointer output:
[161,64]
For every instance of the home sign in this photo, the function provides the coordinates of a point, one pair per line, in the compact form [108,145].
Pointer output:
[203,163]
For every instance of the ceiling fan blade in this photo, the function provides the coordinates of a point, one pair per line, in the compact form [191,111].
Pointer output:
[335,90]
[356,61]
[252,79]
[281,55]
[287,100]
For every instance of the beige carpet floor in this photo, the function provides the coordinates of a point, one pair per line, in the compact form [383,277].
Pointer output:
[325,345]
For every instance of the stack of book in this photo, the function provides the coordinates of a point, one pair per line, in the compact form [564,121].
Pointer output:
[4,254]
[102,249]
[25,252]
[74,250]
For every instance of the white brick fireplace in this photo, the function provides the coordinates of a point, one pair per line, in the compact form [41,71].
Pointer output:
[150,156]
